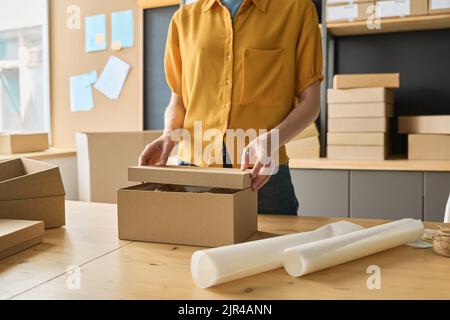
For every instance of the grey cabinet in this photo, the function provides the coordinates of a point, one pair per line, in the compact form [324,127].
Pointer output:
[322,192]
[386,194]
[437,190]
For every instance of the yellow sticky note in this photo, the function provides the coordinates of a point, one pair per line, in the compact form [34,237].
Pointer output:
[116,45]
[99,38]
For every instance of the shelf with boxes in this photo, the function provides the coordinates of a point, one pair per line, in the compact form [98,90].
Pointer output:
[360,113]
[358,17]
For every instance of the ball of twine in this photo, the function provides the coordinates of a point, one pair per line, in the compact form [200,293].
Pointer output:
[441,241]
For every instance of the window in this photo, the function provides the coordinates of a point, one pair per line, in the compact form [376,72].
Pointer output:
[24,67]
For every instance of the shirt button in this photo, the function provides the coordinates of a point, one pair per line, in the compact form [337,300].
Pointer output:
[229,57]
[227,106]
[228,82]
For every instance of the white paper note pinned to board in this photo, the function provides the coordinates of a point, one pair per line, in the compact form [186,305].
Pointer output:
[113,78]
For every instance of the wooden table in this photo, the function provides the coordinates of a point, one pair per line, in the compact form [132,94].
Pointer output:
[114,269]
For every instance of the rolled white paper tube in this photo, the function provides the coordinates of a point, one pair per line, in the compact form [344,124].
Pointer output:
[218,265]
[319,255]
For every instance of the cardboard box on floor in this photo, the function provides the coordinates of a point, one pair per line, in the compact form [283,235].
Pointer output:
[11,143]
[18,235]
[32,190]
[307,148]
[208,207]
[373,80]
[401,8]
[103,159]
[424,124]
[428,147]
[349,12]
[438,6]
[360,95]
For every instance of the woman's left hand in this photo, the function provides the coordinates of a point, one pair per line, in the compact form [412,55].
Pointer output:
[259,152]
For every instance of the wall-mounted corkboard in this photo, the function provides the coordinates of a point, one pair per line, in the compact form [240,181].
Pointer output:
[68,58]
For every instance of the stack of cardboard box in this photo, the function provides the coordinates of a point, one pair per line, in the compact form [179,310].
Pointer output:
[354,10]
[348,10]
[401,8]
[438,6]
[359,110]
[428,137]
[11,143]
[31,199]
[306,145]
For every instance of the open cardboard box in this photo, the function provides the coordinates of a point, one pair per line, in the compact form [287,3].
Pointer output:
[207,207]
[31,190]
[11,143]
[18,235]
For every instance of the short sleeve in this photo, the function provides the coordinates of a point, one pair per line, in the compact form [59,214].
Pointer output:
[172,58]
[309,51]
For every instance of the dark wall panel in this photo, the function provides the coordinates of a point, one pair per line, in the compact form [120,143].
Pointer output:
[423,60]
[156,91]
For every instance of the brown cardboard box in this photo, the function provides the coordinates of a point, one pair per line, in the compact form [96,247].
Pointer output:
[348,12]
[357,152]
[307,148]
[438,6]
[31,190]
[361,110]
[184,214]
[103,159]
[358,125]
[401,8]
[340,2]
[428,147]
[357,139]
[23,142]
[360,95]
[377,80]
[310,131]
[424,124]
[18,235]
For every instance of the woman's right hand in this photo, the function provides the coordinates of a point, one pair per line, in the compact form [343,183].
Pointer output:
[157,152]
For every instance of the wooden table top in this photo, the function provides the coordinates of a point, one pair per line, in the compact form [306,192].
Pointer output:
[114,269]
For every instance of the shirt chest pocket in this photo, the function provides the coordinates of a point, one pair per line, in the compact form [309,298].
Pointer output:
[262,79]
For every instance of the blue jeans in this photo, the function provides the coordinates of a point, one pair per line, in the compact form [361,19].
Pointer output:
[277,196]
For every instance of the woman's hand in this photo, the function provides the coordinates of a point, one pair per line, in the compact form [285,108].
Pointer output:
[157,152]
[259,152]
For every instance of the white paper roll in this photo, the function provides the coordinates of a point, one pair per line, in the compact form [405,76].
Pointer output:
[218,265]
[315,256]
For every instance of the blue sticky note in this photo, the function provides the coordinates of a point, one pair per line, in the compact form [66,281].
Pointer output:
[122,29]
[81,98]
[95,33]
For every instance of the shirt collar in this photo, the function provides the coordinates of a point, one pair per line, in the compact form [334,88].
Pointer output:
[260,4]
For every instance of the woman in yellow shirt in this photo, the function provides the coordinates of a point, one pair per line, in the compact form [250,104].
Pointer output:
[249,65]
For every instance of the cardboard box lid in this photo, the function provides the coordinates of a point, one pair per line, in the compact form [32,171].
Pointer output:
[192,176]
[14,232]
[369,80]
[23,178]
